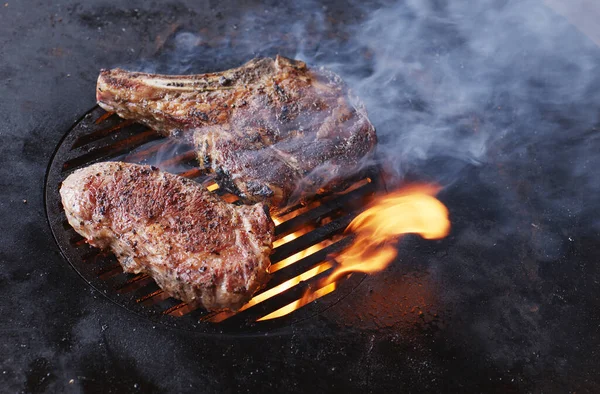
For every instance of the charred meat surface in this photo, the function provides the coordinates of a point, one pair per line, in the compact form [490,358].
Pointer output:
[196,247]
[272,130]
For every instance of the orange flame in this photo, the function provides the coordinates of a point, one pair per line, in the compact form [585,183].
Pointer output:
[411,209]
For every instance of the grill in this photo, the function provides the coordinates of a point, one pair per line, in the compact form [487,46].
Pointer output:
[306,234]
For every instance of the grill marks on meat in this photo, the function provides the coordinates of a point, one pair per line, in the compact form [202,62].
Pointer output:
[273,130]
[196,247]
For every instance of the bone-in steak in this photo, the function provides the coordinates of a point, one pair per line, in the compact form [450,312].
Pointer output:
[273,130]
[197,247]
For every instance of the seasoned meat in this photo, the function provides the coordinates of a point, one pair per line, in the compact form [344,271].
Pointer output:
[197,247]
[273,130]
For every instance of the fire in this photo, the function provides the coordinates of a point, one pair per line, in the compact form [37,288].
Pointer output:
[412,209]
[409,210]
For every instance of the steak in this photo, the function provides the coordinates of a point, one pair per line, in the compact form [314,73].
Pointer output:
[197,247]
[272,130]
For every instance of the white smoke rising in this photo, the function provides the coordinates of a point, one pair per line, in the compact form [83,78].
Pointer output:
[478,83]
[482,72]
[474,81]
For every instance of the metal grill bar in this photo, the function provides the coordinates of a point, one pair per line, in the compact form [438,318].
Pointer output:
[347,202]
[307,262]
[99,134]
[108,151]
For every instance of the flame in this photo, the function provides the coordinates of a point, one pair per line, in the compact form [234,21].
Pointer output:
[411,209]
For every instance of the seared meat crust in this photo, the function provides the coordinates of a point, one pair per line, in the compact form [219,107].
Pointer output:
[273,130]
[197,247]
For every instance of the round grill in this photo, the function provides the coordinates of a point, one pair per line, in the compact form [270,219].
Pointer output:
[306,234]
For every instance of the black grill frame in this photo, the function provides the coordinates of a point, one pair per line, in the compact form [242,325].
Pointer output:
[99,136]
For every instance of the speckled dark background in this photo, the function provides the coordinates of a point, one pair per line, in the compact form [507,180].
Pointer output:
[499,306]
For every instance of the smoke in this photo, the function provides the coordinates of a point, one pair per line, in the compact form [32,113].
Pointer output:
[475,82]
[489,83]
[464,80]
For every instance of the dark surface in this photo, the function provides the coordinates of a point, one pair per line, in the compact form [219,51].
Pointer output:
[510,301]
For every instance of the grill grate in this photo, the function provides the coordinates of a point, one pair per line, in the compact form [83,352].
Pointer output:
[305,233]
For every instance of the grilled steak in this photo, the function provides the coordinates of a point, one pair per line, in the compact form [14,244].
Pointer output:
[273,130]
[196,247]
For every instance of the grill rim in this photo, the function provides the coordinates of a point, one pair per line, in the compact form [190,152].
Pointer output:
[290,322]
